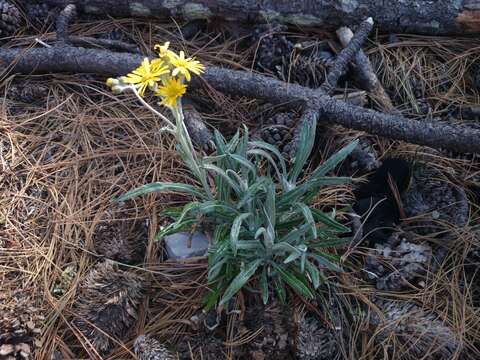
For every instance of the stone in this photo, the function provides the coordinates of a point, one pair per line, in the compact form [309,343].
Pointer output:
[184,245]
[6,349]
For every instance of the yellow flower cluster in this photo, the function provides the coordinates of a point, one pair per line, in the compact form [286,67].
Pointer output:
[165,76]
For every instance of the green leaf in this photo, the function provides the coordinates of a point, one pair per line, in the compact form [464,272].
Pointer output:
[295,234]
[265,146]
[320,257]
[244,162]
[217,208]
[320,216]
[240,280]
[307,214]
[235,231]
[220,143]
[214,271]
[305,144]
[234,141]
[309,189]
[314,273]
[267,156]
[280,289]
[242,182]
[175,227]
[251,245]
[212,298]
[162,188]
[213,159]
[293,256]
[330,243]
[334,160]
[259,185]
[270,209]
[224,176]
[264,285]
[294,282]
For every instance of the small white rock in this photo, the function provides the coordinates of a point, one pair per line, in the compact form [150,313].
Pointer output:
[184,245]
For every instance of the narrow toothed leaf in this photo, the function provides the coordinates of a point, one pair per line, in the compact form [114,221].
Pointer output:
[334,160]
[264,286]
[240,280]
[235,231]
[164,187]
[294,282]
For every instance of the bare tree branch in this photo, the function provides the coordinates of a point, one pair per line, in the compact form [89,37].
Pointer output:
[428,133]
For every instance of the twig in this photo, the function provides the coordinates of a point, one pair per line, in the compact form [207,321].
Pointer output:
[365,75]
[346,55]
[105,43]
[64,19]
[429,133]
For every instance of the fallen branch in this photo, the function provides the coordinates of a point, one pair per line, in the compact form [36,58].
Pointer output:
[365,75]
[87,41]
[232,82]
[343,59]
[66,16]
[417,16]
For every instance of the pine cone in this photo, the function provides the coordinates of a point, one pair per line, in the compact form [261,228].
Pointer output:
[274,341]
[306,70]
[273,47]
[20,325]
[148,348]
[416,331]
[363,157]
[315,341]
[278,129]
[434,201]
[398,262]
[123,240]
[41,14]
[9,18]
[27,92]
[108,299]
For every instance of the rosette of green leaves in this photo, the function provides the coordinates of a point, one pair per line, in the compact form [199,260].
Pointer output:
[265,233]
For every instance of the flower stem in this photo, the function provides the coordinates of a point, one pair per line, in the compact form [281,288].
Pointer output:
[183,137]
[147,105]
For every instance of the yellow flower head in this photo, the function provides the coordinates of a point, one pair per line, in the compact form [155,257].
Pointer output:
[172,90]
[184,66]
[147,74]
[163,50]
[111,82]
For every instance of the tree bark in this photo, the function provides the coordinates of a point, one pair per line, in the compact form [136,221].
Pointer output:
[417,16]
[73,59]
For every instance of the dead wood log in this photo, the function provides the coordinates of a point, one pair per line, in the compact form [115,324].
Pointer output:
[429,133]
[417,16]
[365,76]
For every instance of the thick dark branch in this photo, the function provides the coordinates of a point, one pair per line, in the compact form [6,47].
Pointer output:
[339,67]
[365,75]
[87,41]
[71,59]
[64,19]
[418,16]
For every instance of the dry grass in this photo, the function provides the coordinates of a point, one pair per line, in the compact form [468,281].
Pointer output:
[62,161]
